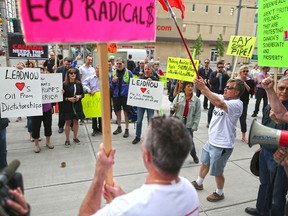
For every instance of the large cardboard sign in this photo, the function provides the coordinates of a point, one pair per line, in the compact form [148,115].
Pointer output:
[146,94]
[20,92]
[241,46]
[181,69]
[91,105]
[52,86]
[18,49]
[101,21]
[272,24]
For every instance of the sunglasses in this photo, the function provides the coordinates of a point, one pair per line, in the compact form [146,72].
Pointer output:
[245,71]
[282,88]
[72,73]
[229,87]
[206,62]
[220,67]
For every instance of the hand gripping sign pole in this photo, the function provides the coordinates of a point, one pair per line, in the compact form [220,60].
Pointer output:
[105,105]
[181,35]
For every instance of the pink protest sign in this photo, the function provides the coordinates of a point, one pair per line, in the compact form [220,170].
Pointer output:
[86,21]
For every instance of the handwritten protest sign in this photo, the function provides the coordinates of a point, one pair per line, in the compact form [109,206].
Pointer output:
[92,105]
[181,69]
[241,46]
[20,92]
[101,21]
[146,94]
[272,24]
[52,86]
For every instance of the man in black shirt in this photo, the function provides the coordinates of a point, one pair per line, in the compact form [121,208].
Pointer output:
[49,65]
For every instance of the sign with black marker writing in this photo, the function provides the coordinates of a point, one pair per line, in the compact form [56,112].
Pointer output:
[20,92]
[52,86]
[146,94]
[272,25]
[241,46]
[96,21]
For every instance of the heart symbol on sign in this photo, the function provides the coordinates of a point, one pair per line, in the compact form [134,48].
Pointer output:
[143,89]
[20,85]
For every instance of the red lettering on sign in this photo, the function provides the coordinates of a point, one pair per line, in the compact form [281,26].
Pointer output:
[164,28]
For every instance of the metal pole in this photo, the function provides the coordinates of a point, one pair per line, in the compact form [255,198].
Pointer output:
[5,31]
[237,26]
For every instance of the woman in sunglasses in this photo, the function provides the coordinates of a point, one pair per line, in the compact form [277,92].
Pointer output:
[249,87]
[72,107]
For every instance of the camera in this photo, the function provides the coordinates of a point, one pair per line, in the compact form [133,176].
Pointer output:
[9,179]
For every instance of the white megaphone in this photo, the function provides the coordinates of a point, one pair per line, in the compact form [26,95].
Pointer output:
[268,137]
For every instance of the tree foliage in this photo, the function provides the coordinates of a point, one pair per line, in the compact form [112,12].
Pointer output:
[198,46]
[220,46]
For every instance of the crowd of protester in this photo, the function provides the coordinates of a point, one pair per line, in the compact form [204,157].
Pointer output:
[226,99]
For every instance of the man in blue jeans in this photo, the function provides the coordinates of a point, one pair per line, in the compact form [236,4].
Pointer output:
[273,180]
[3,148]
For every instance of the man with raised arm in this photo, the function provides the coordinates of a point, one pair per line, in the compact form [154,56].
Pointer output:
[164,149]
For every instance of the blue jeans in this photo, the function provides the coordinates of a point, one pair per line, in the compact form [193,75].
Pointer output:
[271,196]
[3,149]
[140,114]
[193,150]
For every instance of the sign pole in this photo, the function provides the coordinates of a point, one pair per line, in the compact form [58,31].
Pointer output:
[234,67]
[181,35]
[105,104]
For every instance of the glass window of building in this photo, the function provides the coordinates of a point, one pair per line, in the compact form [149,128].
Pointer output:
[193,7]
[206,9]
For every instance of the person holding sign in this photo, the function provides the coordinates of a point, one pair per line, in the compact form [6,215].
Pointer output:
[149,76]
[164,150]
[36,121]
[222,134]
[91,85]
[218,80]
[72,107]
[119,84]
[188,109]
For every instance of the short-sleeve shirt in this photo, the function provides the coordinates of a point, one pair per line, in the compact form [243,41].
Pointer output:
[222,129]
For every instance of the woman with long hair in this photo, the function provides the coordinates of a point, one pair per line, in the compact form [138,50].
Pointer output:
[249,86]
[72,107]
[188,108]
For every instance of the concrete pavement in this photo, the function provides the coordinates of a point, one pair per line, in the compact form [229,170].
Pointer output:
[52,190]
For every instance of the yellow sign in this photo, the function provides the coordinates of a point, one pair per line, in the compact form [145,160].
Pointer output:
[181,69]
[92,105]
[241,46]
[164,80]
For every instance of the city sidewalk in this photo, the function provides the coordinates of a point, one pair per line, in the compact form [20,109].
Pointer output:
[52,190]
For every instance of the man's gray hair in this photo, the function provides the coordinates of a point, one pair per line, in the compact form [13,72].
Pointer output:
[169,143]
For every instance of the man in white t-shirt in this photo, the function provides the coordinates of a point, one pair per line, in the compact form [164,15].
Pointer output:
[164,149]
[222,133]
[86,70]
